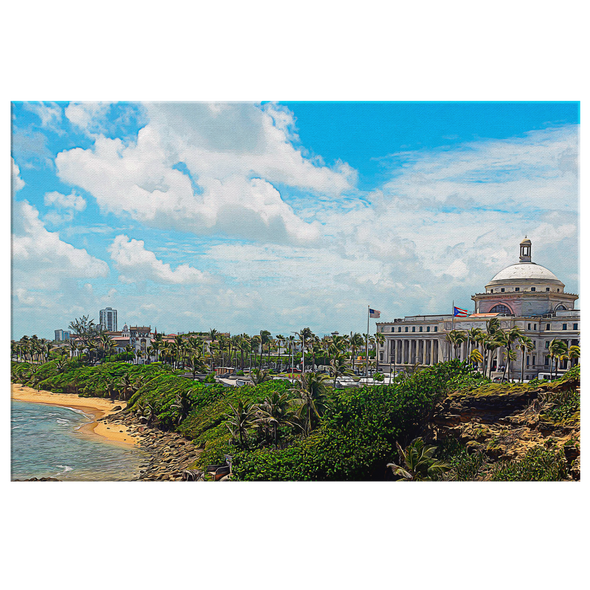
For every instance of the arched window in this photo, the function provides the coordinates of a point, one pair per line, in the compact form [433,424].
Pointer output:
[560,307]
[501,309]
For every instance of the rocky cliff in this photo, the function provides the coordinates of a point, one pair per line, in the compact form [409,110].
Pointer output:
[502,423]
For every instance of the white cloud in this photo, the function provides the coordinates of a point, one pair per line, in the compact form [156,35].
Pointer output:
[236,155]
[537,171]
[50,114]
[41,260]
[88,116]
[136,264]
[71,201]
[17,182]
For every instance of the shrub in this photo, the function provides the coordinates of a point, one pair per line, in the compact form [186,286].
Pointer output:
[538,464]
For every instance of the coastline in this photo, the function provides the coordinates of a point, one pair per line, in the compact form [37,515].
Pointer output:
[95,407]
[169,455]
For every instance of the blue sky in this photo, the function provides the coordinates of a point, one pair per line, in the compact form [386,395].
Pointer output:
[250,216]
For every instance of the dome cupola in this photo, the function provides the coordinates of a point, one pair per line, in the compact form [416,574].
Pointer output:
[525,275]
[525,250]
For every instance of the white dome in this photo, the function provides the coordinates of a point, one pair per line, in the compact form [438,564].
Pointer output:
[525,271]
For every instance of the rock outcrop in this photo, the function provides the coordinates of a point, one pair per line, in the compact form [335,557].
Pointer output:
[505,425]
[168,455]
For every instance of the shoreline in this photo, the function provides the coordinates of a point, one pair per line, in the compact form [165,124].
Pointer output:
[95,407]
[169,455]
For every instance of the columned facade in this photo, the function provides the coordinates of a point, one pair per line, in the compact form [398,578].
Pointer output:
[524,295]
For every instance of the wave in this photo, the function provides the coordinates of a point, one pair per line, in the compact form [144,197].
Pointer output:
[65,468]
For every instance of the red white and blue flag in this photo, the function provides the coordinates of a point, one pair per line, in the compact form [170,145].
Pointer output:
[373,313]
[458,312]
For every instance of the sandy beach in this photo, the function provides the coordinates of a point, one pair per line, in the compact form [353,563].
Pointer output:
[93,406]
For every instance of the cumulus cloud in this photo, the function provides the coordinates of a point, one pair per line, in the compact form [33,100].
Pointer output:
[207,170]
[136,264]
[88,116]
[49,113]
[17,181]
[41,260]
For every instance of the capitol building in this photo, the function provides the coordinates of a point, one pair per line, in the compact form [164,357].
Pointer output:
[526,295]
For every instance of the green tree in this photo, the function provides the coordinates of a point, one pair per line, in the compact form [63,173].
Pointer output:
[417,462]
[339,367]
[312,399]
[182,404]
[475,357]
[276,411]
[239,420]
[557,348]
[508,339]
[456,338]
[526,345]
[259,376]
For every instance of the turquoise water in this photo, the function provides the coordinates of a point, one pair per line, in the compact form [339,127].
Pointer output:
[45,442]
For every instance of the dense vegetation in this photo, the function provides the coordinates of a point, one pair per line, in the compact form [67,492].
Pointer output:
[276,430]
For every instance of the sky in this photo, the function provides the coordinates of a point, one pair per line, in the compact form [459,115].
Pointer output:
[187,216]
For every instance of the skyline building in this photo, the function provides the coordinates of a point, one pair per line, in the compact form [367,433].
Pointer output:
[108,319]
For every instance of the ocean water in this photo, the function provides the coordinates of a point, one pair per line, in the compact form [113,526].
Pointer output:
[46,442]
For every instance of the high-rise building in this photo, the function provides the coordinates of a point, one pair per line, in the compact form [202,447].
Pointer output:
[108,319]
[61,335]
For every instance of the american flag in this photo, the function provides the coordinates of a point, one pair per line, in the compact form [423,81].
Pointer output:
[373,313]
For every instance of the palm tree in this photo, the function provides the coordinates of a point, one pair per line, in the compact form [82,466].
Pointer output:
[339,367]
[525,345]
[106,343]
[507,338]
[127,386]
[475,357]
[306,333]
[234,347]
[265,338]
[456,338]
[244,345]
[417,462]
[157,345]
[491,345]
[473,336]
[275,411]
[73,346]
[574,352]
[312,399]
[212,337]
[239,420]
[356,341]
[196,362]
[259,376]
[557,348]
[255,345]
[183,404]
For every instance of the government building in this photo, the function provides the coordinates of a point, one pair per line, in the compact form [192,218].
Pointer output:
[525,295]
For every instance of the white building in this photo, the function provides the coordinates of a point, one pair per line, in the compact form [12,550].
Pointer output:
[108,319]
[525,294]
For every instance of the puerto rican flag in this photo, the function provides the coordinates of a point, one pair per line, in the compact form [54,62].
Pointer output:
[373,313]
[458,312]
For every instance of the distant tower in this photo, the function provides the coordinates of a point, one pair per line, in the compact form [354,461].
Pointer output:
[108,319]
[525,250]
